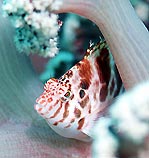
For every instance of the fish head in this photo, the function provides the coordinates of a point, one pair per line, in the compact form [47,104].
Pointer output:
[63,104]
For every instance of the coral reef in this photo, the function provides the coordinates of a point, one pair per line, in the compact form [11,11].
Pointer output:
[128,40]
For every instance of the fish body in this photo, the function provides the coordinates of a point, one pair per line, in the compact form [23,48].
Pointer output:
[72,104]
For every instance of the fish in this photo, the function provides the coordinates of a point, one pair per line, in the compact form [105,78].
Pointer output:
[72,104]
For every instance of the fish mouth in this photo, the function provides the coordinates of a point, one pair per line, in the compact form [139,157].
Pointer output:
[38,107]
[40,110]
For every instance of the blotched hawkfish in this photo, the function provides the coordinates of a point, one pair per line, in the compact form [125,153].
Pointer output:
[72,104]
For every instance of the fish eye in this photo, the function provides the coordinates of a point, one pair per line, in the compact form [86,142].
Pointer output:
[67,94]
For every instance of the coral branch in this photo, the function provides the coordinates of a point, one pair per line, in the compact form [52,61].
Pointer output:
[36,28]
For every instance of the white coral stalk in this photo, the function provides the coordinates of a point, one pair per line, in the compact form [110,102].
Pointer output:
[35,26]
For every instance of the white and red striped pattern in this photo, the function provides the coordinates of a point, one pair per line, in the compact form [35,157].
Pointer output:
[73,103]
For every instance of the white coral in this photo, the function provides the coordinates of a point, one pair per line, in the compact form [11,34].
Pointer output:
[128,116]
[35,26]
[105,143]
[132,112]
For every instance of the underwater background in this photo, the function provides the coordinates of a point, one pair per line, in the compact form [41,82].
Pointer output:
[23,133]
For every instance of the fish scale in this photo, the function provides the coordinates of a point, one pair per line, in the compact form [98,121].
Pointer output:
[72,104]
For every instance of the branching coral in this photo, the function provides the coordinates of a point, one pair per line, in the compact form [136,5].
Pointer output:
[36,27]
